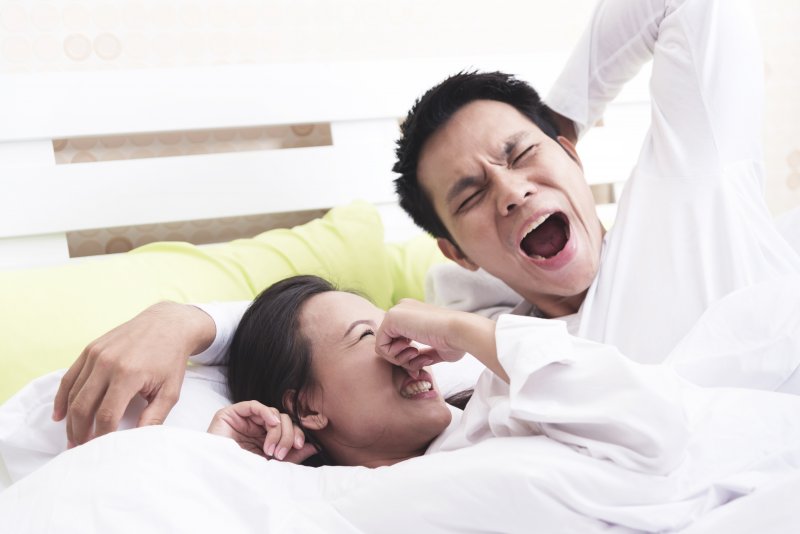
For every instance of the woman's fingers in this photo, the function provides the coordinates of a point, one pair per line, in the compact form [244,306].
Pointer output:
[410,324]
[286,442]
[298,456]
[259,413]
[277,434]
[426,356]
[391,348]
[406,355]
[299,438]
[274,431]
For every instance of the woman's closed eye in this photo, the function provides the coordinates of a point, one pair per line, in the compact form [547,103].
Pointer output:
[365,333]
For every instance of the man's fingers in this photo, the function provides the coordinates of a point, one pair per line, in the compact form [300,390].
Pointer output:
[82,407]
[112,407]
[65,386]
[157,409]
[80,381]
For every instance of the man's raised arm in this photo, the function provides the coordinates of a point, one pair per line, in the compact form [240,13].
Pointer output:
[706,85]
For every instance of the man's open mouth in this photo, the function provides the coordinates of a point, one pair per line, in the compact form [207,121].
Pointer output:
[547,236]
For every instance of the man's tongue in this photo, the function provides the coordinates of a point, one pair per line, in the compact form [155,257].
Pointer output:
[547,240]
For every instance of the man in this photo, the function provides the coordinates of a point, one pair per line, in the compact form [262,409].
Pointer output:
[496,177]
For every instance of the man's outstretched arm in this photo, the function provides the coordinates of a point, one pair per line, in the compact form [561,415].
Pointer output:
[145,356]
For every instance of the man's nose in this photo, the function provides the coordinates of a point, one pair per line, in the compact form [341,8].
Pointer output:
[513,188]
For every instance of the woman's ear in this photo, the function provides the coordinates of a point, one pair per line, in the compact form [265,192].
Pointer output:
[309,418]
[314,421]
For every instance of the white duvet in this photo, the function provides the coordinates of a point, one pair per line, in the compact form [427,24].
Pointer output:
[165,479]
[729,461]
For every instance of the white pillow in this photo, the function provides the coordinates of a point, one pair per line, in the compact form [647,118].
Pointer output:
[29,437]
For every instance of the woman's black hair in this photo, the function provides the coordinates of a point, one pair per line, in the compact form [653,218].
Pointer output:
[269,354]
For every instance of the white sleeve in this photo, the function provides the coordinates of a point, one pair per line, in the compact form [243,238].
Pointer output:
[226,317]
[706,85]
[585,395]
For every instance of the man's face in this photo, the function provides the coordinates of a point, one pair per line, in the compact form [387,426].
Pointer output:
[516,203]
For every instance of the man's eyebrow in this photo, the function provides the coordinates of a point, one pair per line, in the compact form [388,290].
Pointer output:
[356,323]
[512,142]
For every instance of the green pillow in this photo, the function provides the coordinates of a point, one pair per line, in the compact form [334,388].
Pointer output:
[49,315]
[410,262]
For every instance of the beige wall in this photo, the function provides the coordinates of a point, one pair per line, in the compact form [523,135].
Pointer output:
[94,34]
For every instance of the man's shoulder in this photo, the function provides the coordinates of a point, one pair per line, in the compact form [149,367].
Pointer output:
[451,286]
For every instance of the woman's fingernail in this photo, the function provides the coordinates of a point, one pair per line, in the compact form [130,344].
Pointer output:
[298,442]
[271,450]
[281,454]
[426,362]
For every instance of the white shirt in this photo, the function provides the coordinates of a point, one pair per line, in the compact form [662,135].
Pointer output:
[630,444]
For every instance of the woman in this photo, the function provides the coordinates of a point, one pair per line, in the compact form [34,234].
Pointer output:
[316,369]
[309,351]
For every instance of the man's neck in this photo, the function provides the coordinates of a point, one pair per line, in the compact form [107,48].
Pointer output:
[553,307]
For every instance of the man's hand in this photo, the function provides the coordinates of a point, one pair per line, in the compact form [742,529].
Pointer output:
[145,356]
[262,430]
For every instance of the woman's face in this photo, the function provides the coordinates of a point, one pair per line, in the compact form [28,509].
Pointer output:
[373,412]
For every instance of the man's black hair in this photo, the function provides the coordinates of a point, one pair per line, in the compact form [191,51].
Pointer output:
[431,111]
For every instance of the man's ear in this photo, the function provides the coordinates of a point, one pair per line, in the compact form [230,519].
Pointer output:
[309,418]
[452,252]
[569,146]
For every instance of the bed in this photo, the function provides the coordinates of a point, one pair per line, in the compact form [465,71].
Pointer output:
[63,298]
[146,180]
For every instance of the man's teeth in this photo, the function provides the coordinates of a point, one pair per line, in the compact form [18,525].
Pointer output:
[535,224]
[415,388]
